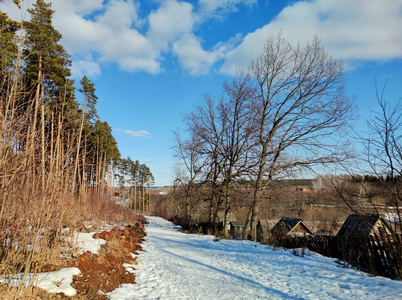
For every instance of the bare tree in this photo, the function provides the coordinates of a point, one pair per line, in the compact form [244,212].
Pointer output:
[383,152]
[380,190]
[302,105]
[205,124]
[190,158]
[380,160]
[237,116]
[220,139]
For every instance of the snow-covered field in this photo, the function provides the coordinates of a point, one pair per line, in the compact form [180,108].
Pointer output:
[182,266]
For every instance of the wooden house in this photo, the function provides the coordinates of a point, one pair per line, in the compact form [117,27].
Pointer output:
[364,226]
[290,227]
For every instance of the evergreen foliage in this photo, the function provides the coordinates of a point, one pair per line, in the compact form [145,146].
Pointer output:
[138,177]
[8,49]
[47,63]
[90,99]
[44,79]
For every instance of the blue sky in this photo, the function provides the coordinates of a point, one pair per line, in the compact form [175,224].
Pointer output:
[152,60]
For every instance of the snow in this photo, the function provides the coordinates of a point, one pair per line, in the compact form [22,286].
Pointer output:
[85,242]
[392,217]
[60,281]
[53,282]
[175,265]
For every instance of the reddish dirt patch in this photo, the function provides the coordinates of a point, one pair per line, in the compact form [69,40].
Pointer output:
[105,272]
[99,272]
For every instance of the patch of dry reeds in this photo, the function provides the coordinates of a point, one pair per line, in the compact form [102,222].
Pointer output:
[40,191]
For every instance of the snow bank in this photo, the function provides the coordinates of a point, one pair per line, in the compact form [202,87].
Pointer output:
[85,242]
[59,281]
[53,282]
[182,266]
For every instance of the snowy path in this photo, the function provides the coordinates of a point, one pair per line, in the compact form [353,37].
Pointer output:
[183,266]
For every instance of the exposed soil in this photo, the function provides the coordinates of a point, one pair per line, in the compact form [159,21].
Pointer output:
[105,272]
[100,273]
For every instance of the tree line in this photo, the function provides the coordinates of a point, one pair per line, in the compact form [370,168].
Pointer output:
[35,78]
[58,159]
[133,180]
[36,81]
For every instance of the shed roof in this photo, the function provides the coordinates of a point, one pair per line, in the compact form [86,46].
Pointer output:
[362,226]
[236,223]
[285,225]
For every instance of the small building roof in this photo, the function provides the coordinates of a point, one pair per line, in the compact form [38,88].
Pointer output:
[286,225]
[236,223]
[362,226]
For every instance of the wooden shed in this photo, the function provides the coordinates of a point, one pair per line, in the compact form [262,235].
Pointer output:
[263,227]
[231,217]
[236,228]
[290,227]
[364,226]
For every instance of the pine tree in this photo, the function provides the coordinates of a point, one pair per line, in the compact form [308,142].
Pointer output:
[8,54]
[47,64]
[146,178]
[90,99]
[101,149]
[8,49]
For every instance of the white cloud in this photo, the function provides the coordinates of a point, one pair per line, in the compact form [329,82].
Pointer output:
[169,22]
[192,57]
[139,133]
[99,31]
[85,67]
[219,7]
[111,31]
[79,35]
[131,50]
[120,15]
[131,64]
[83,7]
[351,30]
[107,31]
[113,34]
[110,35]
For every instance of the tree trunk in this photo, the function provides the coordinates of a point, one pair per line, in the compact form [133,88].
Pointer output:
[78,146]
[43,149]
[187,218]
[103,174]
[211,209]
[255,211]
[135,192]
[143,195]
[247,226]
[227,209]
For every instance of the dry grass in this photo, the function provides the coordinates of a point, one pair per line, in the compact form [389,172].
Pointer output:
[39,194]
